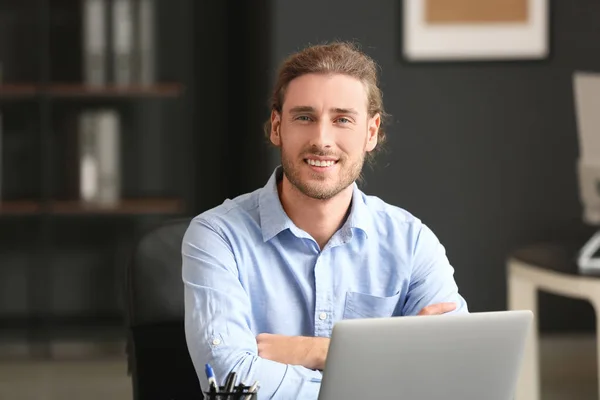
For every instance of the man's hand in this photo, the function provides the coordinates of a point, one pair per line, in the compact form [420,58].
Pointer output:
[437,309]
[310,352]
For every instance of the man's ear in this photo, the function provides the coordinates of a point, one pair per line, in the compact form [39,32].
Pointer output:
[275,128]
[373,131]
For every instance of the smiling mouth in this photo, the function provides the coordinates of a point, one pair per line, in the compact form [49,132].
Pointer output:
[320,163]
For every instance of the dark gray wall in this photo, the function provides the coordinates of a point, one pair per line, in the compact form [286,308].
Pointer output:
[482,153]
[231,82]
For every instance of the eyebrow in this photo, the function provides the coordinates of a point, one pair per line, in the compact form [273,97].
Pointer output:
[335,110]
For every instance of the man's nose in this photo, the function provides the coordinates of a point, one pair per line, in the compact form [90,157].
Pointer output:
[322,136]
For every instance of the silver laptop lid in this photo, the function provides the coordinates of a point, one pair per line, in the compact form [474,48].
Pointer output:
[468,357]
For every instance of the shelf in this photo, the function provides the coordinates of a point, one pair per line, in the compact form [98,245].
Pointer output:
[19,207]
[87,91]
[125,207]
[68,90]
[17,91]
[75,207]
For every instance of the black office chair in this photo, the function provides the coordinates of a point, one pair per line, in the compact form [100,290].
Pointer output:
[159,362]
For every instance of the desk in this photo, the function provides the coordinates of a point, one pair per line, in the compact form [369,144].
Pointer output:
[548,267]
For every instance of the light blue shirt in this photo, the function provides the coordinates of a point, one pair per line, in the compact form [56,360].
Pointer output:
[248,269]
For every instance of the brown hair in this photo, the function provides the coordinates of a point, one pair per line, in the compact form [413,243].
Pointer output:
[332,58]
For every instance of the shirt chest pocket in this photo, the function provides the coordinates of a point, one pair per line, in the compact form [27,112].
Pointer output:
[361,305]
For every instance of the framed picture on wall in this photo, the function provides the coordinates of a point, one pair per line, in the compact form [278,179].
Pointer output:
[475,30]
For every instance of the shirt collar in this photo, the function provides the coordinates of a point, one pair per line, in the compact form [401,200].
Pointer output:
[274,220]
[359,217]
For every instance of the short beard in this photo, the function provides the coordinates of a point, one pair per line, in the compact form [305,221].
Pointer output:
[348,175]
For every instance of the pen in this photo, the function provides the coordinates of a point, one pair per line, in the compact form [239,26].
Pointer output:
[230,382]
[252,390]
[210,375]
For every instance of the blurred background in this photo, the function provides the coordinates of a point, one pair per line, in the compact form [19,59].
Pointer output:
[104,137]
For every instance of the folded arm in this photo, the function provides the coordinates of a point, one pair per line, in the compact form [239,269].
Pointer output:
[310,352]
[218,321]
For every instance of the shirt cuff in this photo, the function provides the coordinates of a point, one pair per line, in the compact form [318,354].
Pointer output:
[297,382]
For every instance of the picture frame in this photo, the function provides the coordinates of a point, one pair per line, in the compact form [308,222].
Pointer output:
[475,30]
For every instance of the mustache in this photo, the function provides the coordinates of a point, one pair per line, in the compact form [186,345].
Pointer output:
[320,153]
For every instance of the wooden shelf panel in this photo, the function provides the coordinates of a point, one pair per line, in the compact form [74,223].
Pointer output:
[125,207]
[68,90]
[20,207]
[76,207]
[17,90]
[87,91]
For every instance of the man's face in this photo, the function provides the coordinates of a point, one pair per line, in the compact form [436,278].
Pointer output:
[324,132]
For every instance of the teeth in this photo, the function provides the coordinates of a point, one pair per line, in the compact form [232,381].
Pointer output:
[318,163]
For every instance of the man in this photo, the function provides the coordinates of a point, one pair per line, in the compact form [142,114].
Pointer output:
[268,273]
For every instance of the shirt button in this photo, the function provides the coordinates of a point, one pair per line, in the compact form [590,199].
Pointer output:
[216,342]
[322,316]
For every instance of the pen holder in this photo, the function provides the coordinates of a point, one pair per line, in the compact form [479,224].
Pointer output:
[239,393]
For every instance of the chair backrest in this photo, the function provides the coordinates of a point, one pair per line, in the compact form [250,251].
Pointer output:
[154,285]
[159,361]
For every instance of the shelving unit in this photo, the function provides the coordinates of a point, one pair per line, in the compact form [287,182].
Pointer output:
[71,90]
[126,207]
[22,207]
[74,207]
[17,91]
[36,104]
[81,91]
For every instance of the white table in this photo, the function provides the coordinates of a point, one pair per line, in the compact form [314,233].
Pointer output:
[550,268]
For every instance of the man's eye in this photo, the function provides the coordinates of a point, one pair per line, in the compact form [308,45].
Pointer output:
[303,118]
[343,120]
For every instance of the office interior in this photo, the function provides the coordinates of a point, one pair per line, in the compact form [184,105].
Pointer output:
[484,152]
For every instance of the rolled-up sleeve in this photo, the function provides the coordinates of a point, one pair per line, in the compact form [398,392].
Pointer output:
[432,277]
[218,320]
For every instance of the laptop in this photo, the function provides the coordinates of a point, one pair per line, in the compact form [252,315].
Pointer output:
[455,356]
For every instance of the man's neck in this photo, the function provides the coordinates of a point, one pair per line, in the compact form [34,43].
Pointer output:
[319,218]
